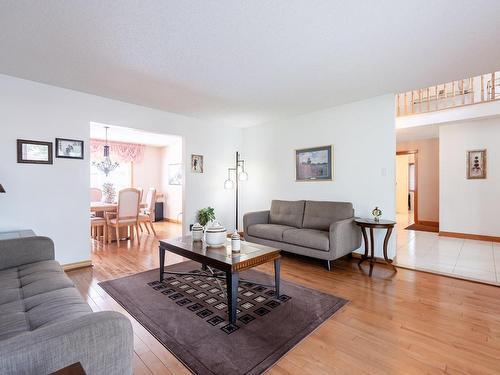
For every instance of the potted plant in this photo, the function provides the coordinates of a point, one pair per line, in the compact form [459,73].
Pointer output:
[205,215]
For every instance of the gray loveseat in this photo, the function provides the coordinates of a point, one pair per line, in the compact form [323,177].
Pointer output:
[46,325]
[323,230]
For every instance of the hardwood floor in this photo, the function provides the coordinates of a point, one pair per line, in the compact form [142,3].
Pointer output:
[404,323]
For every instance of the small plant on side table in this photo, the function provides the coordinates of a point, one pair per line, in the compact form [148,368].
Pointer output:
[205,215]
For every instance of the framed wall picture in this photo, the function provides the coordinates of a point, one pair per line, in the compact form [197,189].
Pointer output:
[476,164]
[314,164]
[34,152]
[69,148]
[175,174]
[197,163]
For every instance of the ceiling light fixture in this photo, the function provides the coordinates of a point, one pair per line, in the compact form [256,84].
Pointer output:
[106,166]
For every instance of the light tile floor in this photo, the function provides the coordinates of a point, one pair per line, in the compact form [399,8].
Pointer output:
[476,260]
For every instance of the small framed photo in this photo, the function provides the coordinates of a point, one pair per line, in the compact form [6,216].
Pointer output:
[314,164]
[69,148]
[476,164]
[34,152]
[197,163]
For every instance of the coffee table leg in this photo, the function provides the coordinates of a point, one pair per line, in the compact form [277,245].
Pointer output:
[277,266]
[162,262]
[232,295]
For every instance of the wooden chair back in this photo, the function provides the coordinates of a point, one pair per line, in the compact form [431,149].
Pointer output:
[151,200]
[128,204]
[95,195]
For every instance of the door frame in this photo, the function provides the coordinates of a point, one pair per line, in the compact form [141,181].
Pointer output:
[415,193]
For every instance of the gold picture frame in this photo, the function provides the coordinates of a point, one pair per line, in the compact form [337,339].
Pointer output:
[476,164]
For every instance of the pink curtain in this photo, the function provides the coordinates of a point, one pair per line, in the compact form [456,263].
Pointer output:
[120,152]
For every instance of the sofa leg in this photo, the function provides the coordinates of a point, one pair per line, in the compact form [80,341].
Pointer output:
[329,265]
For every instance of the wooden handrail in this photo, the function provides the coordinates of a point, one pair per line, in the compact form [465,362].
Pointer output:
[458,93]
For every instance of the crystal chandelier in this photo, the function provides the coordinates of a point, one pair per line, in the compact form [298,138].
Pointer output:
[106,166]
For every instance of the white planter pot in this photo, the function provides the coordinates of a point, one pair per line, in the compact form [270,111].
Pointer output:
[215,235]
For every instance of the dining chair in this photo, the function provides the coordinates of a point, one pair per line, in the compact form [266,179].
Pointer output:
[96,224]
[141,191]
[148,214]
[126,215]
[95,195]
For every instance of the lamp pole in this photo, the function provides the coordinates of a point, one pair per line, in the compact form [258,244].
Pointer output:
[240,174]
[237,186]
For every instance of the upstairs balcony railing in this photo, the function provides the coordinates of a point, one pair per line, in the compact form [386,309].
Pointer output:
[479,89]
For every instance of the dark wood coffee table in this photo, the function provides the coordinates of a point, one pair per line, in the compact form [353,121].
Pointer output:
[251,255]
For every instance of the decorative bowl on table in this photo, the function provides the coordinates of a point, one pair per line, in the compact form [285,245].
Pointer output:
[197,232]
[215,235]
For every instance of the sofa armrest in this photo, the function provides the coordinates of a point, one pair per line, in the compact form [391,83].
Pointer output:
[17,251]
[345,237]
[102,342]
[257,217]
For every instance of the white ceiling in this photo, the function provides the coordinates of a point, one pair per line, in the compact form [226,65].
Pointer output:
[128,135]
[247,62]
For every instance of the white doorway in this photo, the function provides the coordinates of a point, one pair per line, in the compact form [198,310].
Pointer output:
[145,161]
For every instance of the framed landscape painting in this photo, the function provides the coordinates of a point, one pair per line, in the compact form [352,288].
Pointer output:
[314,164]
[476,164]
[34,152]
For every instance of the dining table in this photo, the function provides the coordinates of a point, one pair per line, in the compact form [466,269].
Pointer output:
[108,207]
[99,209]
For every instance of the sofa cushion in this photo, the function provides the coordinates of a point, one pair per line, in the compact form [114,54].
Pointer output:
[35,295]
[319,215]
[290,213]
[312,238]
[268,231]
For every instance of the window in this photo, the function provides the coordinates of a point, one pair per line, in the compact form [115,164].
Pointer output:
[121,177]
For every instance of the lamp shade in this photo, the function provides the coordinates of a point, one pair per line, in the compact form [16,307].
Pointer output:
[228,184]
[2,190]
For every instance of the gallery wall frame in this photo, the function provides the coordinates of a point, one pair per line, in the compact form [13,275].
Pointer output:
[69,148]
[34,152]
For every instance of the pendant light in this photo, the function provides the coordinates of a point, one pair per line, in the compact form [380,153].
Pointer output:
[106,166]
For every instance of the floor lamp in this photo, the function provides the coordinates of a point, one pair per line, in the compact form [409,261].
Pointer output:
[240,175]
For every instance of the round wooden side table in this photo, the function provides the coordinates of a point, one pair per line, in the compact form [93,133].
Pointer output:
[364,223]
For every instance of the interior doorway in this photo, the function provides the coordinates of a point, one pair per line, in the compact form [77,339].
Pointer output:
[133,161]
[406,186]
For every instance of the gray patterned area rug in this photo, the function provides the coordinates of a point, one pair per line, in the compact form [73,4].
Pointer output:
[188,315]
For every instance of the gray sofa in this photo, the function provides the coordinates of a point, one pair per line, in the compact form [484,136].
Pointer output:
[46,325]
[323,230]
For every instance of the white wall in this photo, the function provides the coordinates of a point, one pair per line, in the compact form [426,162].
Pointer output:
[147,173]
[468,112]
[402,176]
[469,206]
[172,206]
[364,147]
[53,199]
